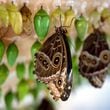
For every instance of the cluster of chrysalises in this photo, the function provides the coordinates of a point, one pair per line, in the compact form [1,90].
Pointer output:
[53,64]
[53,60]
[19,19]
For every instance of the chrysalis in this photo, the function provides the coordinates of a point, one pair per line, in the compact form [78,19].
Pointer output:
[27,19]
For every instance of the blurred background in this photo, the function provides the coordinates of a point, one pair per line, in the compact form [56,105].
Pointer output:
[19,41]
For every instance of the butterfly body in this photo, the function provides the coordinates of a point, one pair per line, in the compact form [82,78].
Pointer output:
[95,58]
[53,65]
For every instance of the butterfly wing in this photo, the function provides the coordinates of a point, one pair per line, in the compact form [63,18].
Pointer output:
[49,58]
[92,63]
[52,67]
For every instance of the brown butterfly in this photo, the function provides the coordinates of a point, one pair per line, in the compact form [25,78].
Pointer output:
[95,58]
[53,64]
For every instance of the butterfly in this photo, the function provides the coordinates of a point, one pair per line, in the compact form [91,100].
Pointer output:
[53,64]
[95,58]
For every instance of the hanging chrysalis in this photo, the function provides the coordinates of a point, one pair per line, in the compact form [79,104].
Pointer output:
[15,18]
[12,54]
[27,19]
[81,25]
[55,16]
[4,16]
[69,16]
[41,23]
[95,58]
[94,18]
[4,72]
[4,20]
